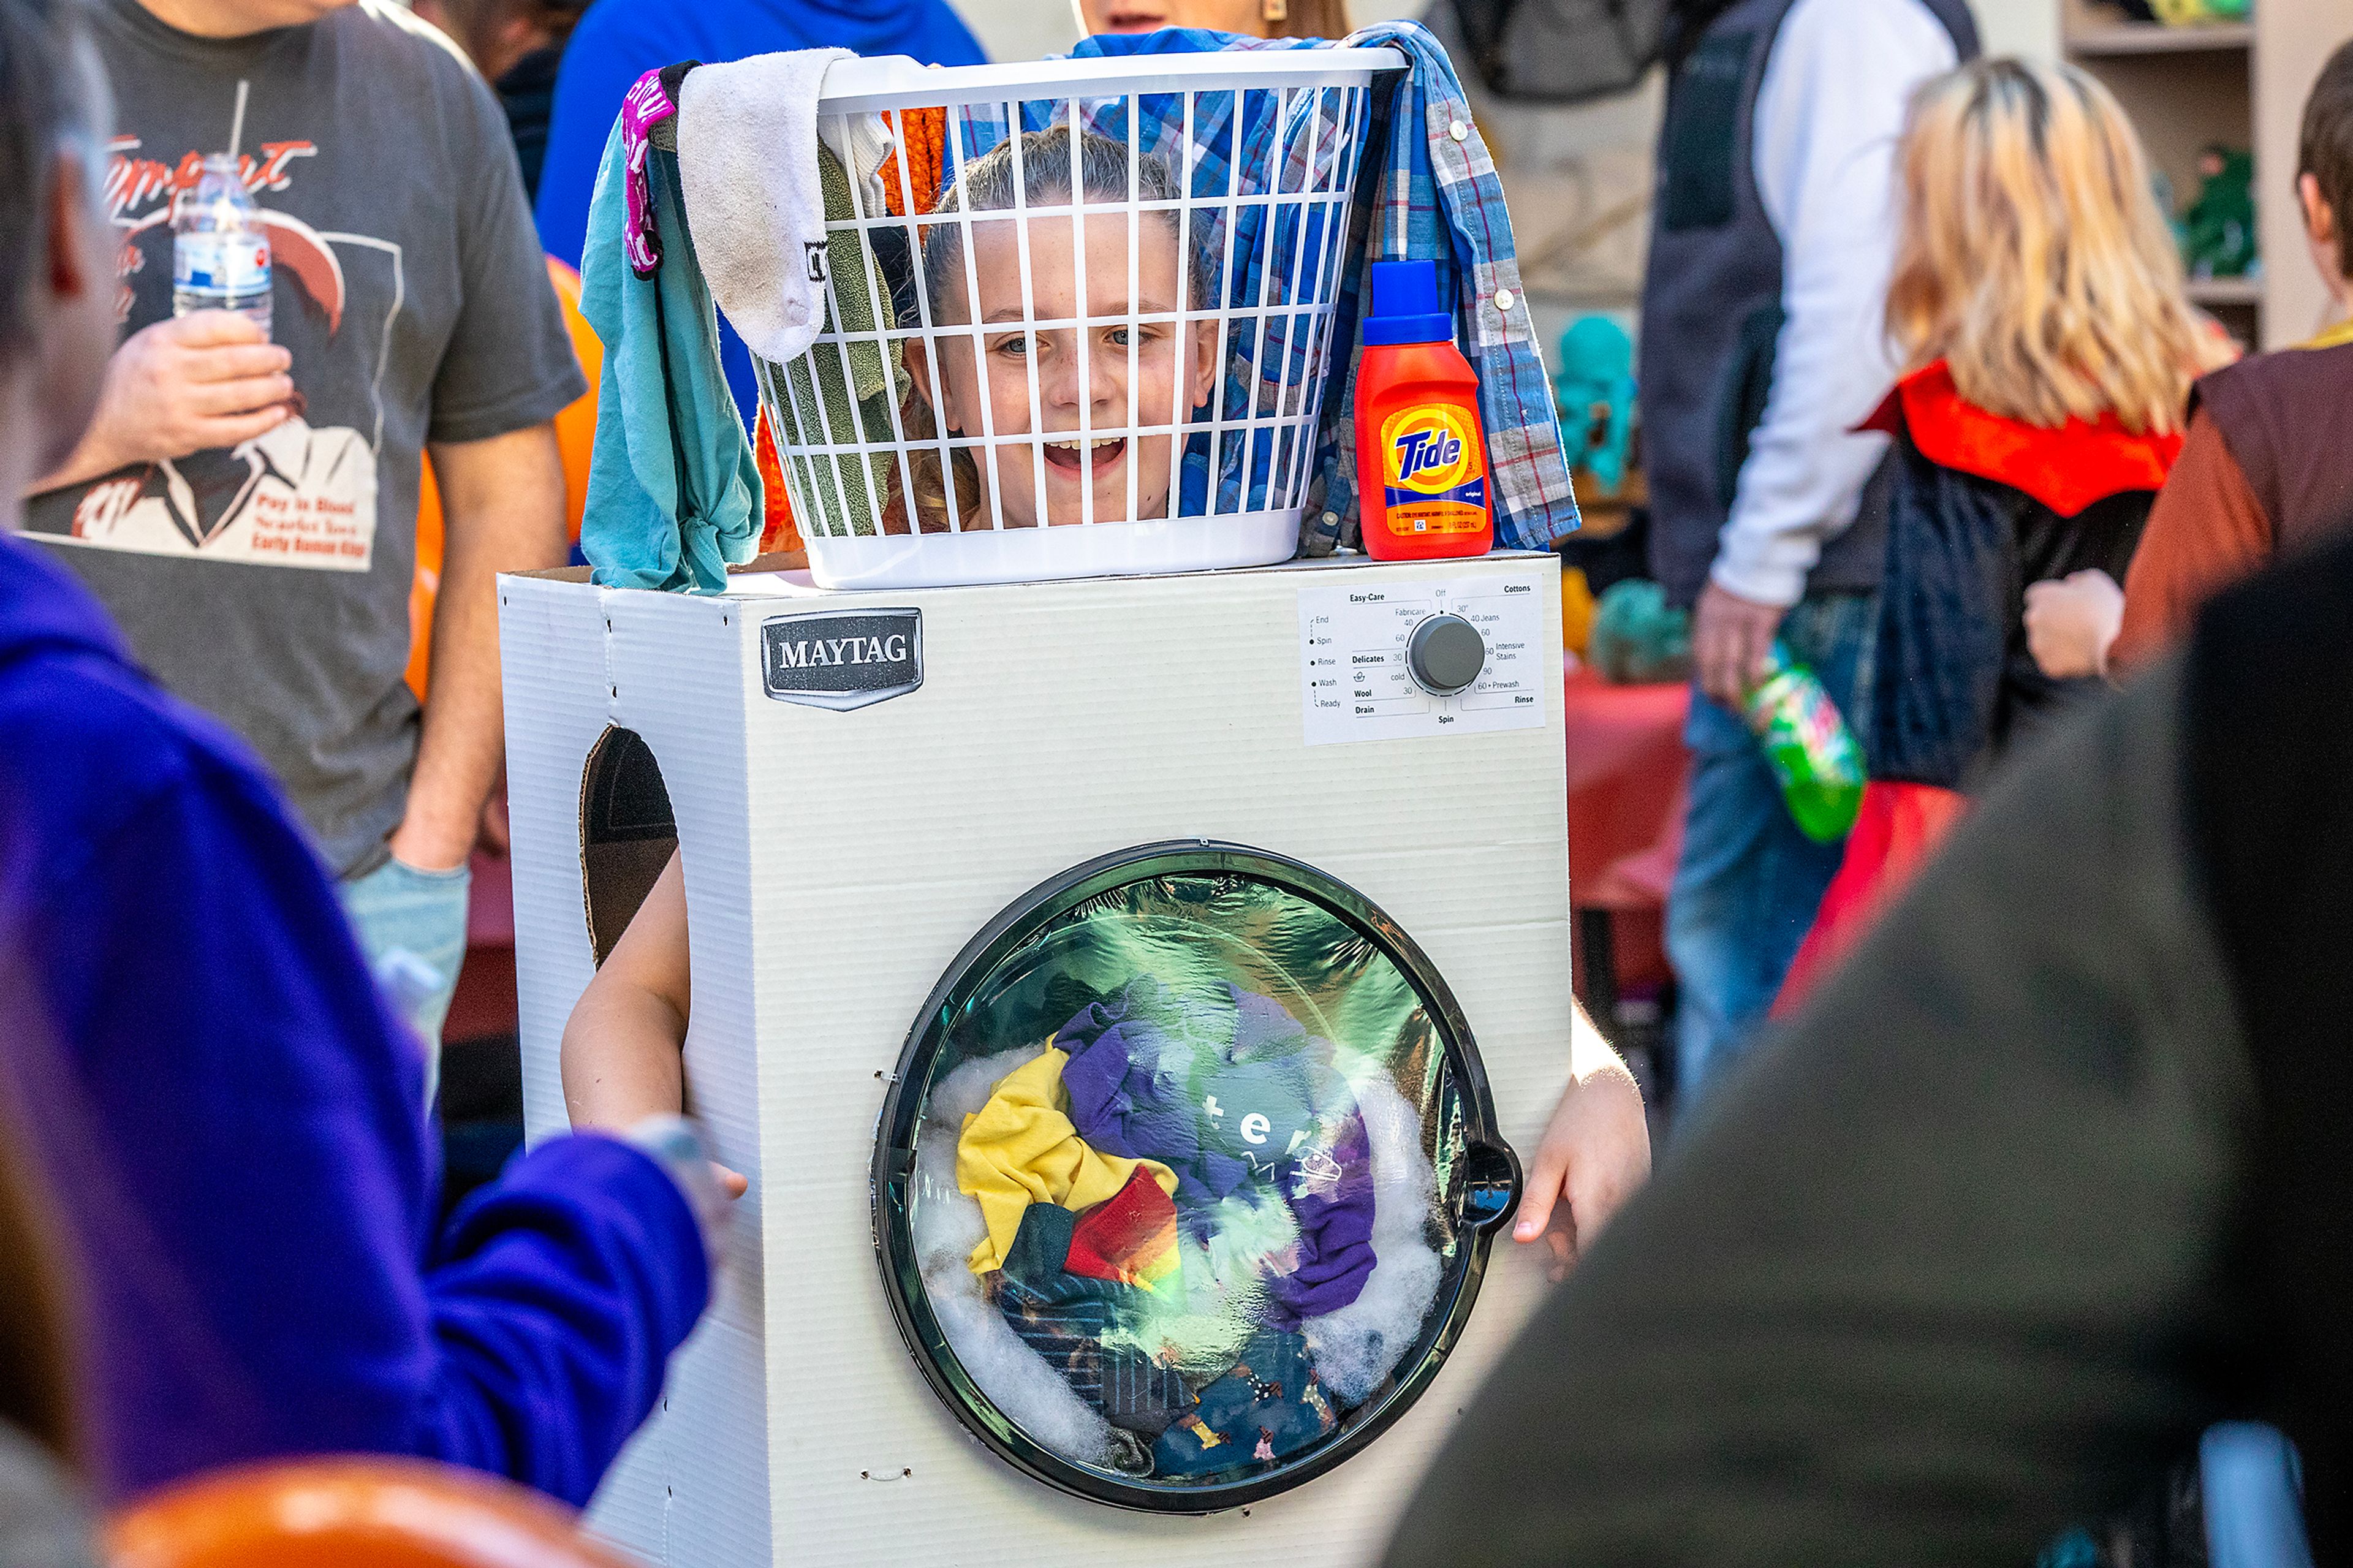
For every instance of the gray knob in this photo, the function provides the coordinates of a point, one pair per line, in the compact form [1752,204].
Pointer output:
[1445,654]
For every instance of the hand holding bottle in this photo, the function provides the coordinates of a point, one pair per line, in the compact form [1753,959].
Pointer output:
[1731,639]
[183,385]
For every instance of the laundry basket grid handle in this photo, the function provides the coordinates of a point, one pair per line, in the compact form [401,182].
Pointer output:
[1229,286]
[1340,171]
[1302,240]
[1028,316]
[885,316]
[923,298]
[852,409]
[1080,337]
[1134,324]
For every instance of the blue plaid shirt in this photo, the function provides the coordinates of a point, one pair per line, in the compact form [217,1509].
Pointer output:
[1431,194]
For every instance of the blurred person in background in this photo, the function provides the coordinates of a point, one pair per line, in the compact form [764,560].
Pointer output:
[617,41]
[244,504]
[2047,1179]
[1251,19]
[2265,468]
[1763,345]
[200,1079]
[2048,345]
[517,46]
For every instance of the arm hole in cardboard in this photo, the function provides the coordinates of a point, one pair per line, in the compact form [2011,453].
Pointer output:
[628,833]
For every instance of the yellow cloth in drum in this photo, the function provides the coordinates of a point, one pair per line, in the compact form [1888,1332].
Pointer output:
[1020,1149]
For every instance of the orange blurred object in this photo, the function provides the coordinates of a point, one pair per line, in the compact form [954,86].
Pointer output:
[777,529]
[575,434]
[350,1511]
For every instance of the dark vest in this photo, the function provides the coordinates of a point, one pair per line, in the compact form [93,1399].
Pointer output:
[2283,417]
[2266,755]
[1711,305]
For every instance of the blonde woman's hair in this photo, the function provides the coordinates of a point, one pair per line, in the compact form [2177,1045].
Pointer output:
[2032,255]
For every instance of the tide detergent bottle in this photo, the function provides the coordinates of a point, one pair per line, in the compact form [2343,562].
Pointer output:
[1421,458]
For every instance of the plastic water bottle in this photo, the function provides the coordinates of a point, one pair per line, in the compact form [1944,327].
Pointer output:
[220,251]
[1810,750]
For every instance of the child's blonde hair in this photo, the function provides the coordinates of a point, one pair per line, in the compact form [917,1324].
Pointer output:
[2032,257]
[988,185]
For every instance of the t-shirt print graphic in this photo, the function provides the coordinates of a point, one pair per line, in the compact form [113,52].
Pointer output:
[303,494]
[294,495]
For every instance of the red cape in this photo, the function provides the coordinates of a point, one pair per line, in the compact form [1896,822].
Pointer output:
[2066,468]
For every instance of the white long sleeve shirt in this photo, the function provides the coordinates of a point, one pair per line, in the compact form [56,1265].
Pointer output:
[1830,112]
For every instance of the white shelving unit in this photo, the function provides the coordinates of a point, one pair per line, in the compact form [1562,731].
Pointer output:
[2242,85]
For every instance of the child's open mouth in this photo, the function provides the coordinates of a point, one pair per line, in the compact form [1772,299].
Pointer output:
[1095,454]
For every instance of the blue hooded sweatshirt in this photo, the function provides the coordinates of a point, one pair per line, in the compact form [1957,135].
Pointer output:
[229,1128]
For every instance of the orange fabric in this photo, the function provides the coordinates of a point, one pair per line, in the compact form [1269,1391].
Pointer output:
[575,426]
[1899,825]
[349,1512]
[777,529]
[2206,532]
[2066,468]
[575,434]
[923,136]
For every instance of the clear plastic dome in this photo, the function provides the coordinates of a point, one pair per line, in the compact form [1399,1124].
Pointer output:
[1185,1182]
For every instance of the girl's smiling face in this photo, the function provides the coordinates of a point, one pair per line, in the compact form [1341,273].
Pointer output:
[1099,375]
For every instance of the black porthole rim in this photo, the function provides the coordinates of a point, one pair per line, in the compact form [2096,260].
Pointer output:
[893,1164]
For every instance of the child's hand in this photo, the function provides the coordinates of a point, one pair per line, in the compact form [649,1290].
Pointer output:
[1595,1154]
[709,1187]
[2070,622]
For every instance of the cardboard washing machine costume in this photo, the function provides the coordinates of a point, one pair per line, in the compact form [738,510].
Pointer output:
[1125,994]
[882,894]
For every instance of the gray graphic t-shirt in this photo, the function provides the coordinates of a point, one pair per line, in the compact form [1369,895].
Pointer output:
[270,584]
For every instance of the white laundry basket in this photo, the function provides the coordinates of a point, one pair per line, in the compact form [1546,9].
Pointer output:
[1105,348]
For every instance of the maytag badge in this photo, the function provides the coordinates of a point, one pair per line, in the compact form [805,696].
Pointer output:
[842,659]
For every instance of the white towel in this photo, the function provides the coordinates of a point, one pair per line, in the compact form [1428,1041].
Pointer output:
[747,167]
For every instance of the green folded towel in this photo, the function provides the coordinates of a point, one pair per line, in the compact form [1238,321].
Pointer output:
[843,391]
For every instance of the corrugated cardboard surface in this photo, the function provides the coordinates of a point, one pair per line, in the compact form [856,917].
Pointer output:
[836,863]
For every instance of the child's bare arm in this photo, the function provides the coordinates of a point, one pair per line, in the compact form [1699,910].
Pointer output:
[621,1044]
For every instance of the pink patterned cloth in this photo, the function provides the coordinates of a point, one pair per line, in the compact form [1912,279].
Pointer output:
[647,105]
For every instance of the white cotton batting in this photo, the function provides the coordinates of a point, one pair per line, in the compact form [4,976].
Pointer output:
[945,1224]
[1357,1346]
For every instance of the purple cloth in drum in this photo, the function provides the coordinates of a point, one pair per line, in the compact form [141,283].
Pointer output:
[1229,1092]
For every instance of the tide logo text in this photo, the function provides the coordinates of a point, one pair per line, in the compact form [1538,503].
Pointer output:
[1418,452]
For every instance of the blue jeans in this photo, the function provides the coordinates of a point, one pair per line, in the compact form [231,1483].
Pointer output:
[411,926]
[1749,883]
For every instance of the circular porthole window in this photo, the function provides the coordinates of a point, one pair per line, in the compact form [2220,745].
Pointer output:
[1187,1180]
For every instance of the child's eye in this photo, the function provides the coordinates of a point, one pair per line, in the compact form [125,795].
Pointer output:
[1014,346]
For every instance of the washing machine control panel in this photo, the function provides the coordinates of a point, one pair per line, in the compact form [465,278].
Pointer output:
[1385,659]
